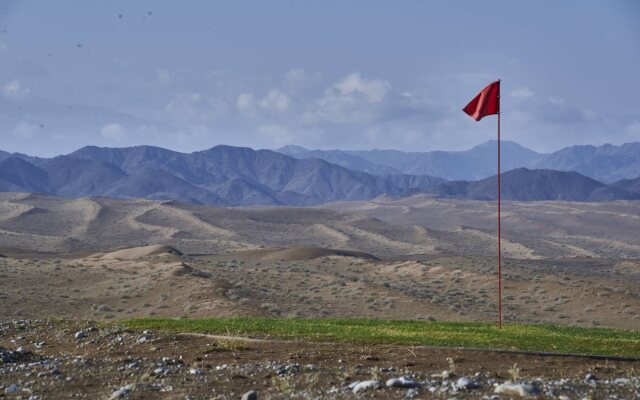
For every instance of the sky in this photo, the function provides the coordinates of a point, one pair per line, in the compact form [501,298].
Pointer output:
[321,74]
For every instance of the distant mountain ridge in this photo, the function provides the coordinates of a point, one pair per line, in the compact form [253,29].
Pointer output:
[240,176]
[606,163]
[476,163]
[223,175]
[523,184]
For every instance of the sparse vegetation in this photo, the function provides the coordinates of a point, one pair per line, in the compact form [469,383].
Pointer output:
[544,338]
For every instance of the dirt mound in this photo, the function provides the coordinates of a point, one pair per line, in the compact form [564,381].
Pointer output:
[140,252]
[183,269]
[303,253]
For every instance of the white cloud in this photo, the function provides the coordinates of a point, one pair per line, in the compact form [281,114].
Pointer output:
[15,90]
[275,100]
[114,131]
[245,102]
[24,129]
[184,106]
[279,135]
[163,76]
[522,93]
[373,91]
[296,78]
[352,99]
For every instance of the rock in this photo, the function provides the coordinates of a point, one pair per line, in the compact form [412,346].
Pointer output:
[80,335]
[288,369]
[11,389]
[196,371]
[250,395]
[466,383]
[520,389]
[403,382]
[412,393]
[444,375]
[123,391]
[142,339]
[367,385]
[590,378]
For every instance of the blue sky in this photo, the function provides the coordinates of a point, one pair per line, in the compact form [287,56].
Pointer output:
[321,74]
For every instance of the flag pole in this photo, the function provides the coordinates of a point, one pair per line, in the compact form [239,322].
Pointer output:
[499,238]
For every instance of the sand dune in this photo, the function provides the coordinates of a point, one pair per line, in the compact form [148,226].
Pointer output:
[386,228]
[141,252]
[301,253]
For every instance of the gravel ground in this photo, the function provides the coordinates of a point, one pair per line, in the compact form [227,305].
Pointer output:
[83,359]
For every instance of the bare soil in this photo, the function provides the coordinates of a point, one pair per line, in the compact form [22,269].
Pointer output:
[55,364]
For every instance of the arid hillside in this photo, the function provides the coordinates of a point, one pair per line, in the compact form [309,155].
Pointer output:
[416,258]
[382,227]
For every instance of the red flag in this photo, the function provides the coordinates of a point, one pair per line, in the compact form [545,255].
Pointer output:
[487,102]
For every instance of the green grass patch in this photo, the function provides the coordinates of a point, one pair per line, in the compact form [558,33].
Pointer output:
[532,337]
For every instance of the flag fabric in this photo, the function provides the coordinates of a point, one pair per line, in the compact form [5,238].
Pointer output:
[487,102]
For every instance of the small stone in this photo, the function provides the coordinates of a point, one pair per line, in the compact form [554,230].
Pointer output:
[466,383]
[590,377]
[443,375]
[121,392]
[403,382]
[142,339]
[80,335]
[368,385]
[196,371]
[412,393]
[11,389]
[520,389]
[250,395]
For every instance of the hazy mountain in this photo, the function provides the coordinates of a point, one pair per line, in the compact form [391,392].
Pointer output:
[223,175]
[632,185]
[341,158]
[18,175]
[527,185]
[606,163]
[476,163]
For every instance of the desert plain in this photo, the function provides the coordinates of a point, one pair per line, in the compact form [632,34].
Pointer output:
[92,262]
[416,258]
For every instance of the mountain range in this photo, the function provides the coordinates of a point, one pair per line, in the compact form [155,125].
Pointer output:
[222,175]
[239,176]
[606,163]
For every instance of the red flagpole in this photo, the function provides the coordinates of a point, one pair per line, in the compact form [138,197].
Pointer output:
[499,247]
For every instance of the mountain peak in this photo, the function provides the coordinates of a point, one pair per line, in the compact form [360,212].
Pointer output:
[293,150]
